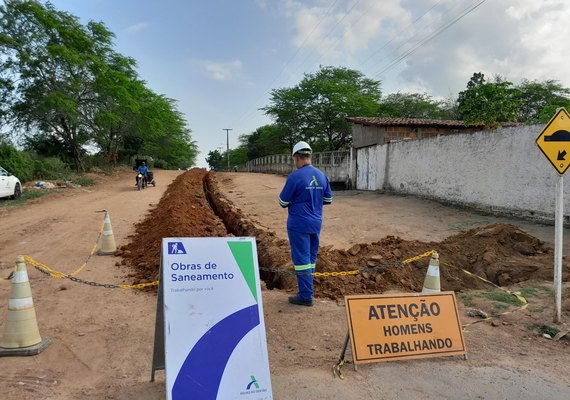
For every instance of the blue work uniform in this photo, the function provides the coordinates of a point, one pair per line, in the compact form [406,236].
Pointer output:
[304,194]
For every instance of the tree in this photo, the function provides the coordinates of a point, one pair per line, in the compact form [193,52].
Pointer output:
[214,159]
[315,110]
[410,105]
[539,100]
[55,60]
[63,82]
[489,103]
[266,140]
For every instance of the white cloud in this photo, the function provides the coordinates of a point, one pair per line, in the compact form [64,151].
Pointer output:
[137,28]
[522,42]
[518,40]
[222,71]
[261,3]
[346,28]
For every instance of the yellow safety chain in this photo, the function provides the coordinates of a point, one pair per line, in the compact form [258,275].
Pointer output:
[60,275]
[139,285]
[340,273]
[57,274]
[93,250]
[416,258]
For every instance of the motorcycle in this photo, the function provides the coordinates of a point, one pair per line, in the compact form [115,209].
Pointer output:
[141,181]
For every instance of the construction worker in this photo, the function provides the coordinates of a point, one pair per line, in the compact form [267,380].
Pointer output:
[305,192]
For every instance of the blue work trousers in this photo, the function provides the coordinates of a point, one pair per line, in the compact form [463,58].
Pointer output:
[304,249]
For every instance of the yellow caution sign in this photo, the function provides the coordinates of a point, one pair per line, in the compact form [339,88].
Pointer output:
[554,141]
[404,326]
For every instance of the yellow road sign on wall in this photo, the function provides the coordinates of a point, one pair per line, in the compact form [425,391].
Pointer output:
[554,141]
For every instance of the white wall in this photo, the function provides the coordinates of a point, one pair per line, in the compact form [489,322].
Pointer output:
[500,170]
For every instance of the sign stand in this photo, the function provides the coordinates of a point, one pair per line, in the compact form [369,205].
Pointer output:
[558,234]
[158,359]
[342,356]
[554,142]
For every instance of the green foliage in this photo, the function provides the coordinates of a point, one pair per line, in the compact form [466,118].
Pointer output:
[549,330]
[410,105]
[539,100]
[26,195]
[161,164]
[317,107]
[266,140]
[46,145]
[214,159]
[503,298]
[467,299]
[83,181]
[50,168]
[535,291]
[27,166]
[238,156]
[64,82]
[489,104]
[16,162]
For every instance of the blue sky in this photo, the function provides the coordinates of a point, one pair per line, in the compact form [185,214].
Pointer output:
[220,59]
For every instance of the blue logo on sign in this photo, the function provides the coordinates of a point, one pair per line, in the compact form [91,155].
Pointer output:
[176,248]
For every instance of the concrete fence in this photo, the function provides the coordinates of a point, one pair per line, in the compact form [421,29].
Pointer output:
[501,171]
[335,164]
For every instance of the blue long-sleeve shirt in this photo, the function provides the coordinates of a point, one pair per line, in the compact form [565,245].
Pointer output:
[143,169]
[305,192]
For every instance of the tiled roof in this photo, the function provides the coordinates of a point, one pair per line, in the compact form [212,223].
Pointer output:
[409,122]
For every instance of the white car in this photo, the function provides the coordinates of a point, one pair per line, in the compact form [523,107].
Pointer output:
[10,186]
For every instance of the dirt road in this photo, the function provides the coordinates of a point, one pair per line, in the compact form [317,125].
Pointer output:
[103,338]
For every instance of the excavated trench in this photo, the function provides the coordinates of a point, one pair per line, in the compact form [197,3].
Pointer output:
[193,206]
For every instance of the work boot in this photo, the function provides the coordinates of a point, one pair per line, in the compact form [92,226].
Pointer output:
[296,300]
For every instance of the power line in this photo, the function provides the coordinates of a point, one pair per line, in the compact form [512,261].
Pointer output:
[391,64]
[398,34]
[438,32]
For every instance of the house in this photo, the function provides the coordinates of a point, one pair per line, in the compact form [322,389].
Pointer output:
[372,131]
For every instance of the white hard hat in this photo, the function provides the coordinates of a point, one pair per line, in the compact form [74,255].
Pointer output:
[302,146]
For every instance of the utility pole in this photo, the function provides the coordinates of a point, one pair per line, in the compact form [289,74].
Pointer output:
[228,144]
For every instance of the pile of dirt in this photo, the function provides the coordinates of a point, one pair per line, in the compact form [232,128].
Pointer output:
[183,211]
[500,253]
[193,206]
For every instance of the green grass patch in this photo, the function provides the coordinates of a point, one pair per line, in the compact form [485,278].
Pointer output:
[503,298]
[535,291]
[536,309]
[542,329]
[467,299]
[27,194]
[83,181]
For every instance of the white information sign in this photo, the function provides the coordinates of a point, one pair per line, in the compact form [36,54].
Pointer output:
[215,344]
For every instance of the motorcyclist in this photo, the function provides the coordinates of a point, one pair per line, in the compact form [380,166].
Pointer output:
[143,169]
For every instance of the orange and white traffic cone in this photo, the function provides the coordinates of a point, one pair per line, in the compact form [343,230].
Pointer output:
[108,245]
[21,333]
[431,282]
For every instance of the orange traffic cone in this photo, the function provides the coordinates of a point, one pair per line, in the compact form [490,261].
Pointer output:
[108,245]
[431,282]
[21,334]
